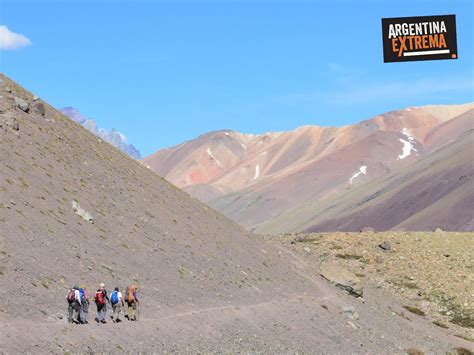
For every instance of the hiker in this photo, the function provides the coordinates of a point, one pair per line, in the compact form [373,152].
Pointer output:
[132,302]
[116,300]
[74,300]
[101,299]
[84,305]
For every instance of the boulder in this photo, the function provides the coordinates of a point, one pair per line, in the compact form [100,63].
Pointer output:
[385,246]
[82,212]
[341,278]
[22,104]
[39,108]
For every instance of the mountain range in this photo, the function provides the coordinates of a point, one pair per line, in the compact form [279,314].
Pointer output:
[76,210]
[114,137]
[409,169]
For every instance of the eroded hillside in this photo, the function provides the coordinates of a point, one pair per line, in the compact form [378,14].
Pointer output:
[280,182]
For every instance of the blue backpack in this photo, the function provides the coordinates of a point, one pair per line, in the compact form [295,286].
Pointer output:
[114,297]
[83,296]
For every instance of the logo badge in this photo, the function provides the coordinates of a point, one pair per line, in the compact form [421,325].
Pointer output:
[407,39]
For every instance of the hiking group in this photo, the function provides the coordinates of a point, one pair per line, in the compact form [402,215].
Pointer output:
[78,304]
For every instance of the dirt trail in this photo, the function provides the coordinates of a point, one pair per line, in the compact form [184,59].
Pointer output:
[301,322]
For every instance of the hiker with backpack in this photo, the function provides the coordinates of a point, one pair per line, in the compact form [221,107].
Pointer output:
[101,299]
[74,304]
[116,300]
[84,305]
[132,302]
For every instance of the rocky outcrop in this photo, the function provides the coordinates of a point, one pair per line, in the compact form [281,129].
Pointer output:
[341,278]
[85,215]
[22,104]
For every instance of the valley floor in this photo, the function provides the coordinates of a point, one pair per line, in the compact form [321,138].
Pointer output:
[316,318]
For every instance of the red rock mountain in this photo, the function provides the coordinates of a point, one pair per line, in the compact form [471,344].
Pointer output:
[259,179]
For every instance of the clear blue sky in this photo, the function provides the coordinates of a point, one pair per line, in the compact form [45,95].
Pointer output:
[163,72]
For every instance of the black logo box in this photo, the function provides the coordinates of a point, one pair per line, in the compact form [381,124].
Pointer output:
[417,54]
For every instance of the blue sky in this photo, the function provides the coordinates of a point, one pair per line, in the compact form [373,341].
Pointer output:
[163,72]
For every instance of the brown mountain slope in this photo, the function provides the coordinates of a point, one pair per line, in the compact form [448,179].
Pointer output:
[253,179]
[437,191]
[205,284]
[145,230]
[331,175]
[449,131]
[229,160]
[422,196]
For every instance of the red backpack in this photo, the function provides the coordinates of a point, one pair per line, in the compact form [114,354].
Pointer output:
[71,295]
[99,297]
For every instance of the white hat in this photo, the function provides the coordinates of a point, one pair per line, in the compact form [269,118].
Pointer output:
[102,285]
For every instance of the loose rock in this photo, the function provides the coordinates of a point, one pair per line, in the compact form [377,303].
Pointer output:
[385,246]
[39,108]
[350,312]
[342,278]
[22,104]
[82,212]
[348,309]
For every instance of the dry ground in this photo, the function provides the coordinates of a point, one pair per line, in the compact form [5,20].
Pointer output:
[430,273]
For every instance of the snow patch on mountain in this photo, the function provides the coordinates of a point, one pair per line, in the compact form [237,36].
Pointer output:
[407,133]
[114,137]
[406,149]
[362,170]
[212,157]
[408,146]
[257,172]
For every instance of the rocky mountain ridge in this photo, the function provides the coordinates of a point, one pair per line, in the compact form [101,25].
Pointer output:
[266,181]
[114,137]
